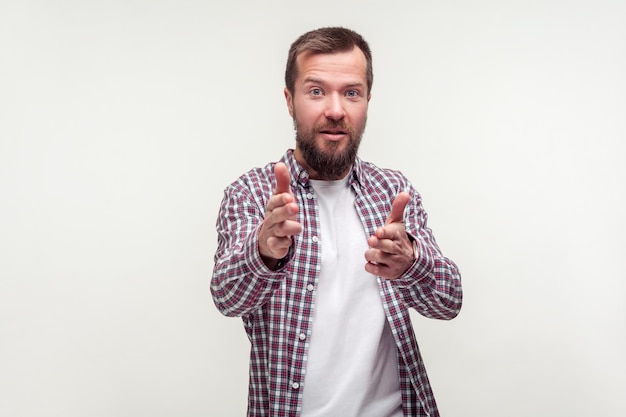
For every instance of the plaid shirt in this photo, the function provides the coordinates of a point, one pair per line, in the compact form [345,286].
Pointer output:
[277,306]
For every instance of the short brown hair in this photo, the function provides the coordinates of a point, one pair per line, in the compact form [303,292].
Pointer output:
[327,41]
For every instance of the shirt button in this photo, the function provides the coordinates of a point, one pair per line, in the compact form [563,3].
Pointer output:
[302,336]
[295,385]
[315,239]
[309,196]
[310,287]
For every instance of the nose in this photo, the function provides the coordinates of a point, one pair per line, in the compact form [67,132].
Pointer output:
[334,109]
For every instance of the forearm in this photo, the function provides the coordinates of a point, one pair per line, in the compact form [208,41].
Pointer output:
[432,285]
[241,281]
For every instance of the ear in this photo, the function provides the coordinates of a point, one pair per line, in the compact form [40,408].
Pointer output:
[289,99]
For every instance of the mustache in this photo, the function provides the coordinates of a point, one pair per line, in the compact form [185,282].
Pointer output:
[333,125]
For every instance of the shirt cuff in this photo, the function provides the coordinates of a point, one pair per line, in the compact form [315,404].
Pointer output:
[256,265]
[422,268]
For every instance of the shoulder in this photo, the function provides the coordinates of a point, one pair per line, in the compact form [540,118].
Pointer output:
[385,179]
[256,184]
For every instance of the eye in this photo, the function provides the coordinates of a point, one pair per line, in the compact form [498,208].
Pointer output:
[315,91]
[352,93]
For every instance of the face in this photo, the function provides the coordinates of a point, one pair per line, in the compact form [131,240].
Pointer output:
[329,109]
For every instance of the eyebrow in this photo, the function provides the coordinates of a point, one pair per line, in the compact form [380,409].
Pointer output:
[314,80]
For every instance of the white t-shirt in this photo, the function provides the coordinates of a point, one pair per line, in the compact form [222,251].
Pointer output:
[352,366]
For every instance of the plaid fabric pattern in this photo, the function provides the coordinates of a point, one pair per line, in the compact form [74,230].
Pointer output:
[276,306]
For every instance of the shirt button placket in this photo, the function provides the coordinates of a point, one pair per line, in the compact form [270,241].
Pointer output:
[310,287]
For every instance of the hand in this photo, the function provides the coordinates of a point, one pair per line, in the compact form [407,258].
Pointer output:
[391,252]
[280,222]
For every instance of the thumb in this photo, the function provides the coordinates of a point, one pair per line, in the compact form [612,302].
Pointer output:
[281,172]
[397,208]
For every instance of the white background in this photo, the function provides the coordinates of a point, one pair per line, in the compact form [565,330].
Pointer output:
[121,122]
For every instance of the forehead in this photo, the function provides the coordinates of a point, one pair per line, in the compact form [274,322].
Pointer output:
[348,66]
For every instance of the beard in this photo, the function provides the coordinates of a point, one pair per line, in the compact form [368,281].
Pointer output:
[333,162]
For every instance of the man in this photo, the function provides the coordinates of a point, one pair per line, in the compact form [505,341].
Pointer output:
[322,255]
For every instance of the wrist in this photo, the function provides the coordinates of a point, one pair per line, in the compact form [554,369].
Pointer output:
[273,263]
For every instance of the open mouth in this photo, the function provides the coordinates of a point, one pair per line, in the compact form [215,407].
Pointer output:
[334,137]
[333,134]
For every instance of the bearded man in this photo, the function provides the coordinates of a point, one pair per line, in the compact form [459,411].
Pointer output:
[322,255]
